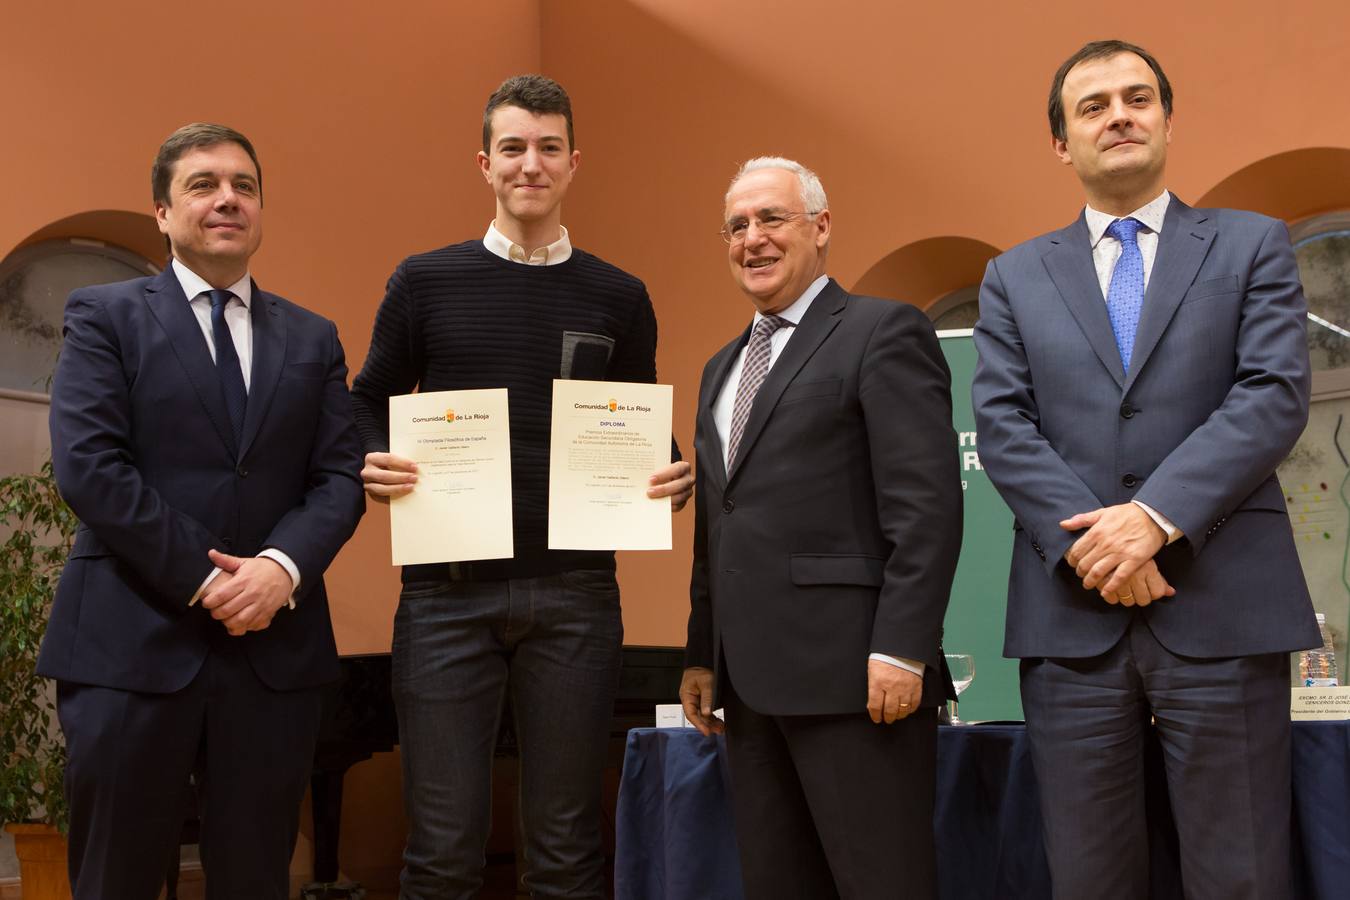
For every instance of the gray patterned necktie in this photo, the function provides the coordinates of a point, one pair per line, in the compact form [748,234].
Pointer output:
[753,370]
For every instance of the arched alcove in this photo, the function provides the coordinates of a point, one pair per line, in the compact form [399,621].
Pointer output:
[36,277]
[1289,186]
[928,271]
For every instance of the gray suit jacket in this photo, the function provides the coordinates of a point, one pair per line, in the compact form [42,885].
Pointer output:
[1216,396]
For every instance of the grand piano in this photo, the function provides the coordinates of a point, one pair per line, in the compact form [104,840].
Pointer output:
[359,722]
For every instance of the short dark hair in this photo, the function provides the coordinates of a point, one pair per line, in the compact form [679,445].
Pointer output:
[192,137]
[532,93]
[1101,50]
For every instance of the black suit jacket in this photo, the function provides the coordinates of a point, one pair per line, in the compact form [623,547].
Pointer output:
[145,456]
[837,531]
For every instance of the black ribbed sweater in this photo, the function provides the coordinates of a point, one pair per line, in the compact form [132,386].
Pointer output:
[462,318]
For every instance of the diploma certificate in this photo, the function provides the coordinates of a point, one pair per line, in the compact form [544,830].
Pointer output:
[608,438]
[461,507]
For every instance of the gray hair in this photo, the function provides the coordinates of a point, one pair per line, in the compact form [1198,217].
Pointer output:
[813,192]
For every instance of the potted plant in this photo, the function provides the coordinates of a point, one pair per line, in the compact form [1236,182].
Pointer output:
[37,528]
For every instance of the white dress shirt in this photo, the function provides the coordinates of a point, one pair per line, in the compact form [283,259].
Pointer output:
[726,402]
[241,332]
[500,245]
[1105,253]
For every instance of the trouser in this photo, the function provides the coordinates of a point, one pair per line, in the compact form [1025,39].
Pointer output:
[129,759]
[554,643]
[833,806]
[1223,725]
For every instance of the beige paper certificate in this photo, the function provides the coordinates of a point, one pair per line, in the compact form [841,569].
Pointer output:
[461,507]
[608,438]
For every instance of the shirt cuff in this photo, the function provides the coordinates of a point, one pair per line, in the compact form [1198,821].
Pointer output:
[1173,532]
[202,590]
[292,570]
[909,665]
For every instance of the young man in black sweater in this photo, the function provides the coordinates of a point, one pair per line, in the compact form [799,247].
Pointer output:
[516,309]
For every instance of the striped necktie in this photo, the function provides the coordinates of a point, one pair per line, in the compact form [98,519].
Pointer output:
[753,370]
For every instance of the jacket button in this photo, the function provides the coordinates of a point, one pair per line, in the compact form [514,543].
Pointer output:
[728,505]
[1127,411]
[241,471]
[1130,480]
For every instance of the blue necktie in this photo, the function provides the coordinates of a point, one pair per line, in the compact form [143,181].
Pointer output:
[227,364]
[1126,296]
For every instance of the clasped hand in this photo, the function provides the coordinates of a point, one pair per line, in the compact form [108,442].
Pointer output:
[247,592]
[1114,556]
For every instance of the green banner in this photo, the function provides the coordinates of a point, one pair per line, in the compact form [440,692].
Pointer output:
[980,594]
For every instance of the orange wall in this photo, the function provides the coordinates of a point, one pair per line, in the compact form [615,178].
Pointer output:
[923,120]
[365,121]
[926,122]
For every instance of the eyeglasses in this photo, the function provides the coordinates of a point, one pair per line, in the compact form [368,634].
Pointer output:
[736,230]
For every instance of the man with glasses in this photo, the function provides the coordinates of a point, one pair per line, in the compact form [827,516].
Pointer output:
[516,308]
[827,531]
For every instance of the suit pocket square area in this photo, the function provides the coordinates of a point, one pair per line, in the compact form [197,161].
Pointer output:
[585,356]
[810,390]
[836,568]
[1212,287]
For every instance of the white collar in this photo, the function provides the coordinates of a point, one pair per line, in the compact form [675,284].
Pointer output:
[797,310]
[194,285]
[1151,214]
[501,245]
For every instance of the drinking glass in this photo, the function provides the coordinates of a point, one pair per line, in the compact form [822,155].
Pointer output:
[962,669]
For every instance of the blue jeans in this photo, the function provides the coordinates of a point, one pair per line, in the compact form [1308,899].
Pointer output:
[555,643]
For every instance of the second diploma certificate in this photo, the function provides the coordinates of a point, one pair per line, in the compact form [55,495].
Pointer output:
[608,438]
[461,507]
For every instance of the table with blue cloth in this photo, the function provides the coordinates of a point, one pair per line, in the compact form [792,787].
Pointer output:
[675,838]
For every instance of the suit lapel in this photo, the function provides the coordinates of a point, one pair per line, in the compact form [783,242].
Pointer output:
[719,371]
[1183,244]
[269,354]
[820,319]
[1069,263]
[170,308]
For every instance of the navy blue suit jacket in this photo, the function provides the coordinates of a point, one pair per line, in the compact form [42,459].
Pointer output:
[1216,395]
[145,456]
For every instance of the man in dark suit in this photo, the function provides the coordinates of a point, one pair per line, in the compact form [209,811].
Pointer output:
[1142,372]
[202,432]
[827,531]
